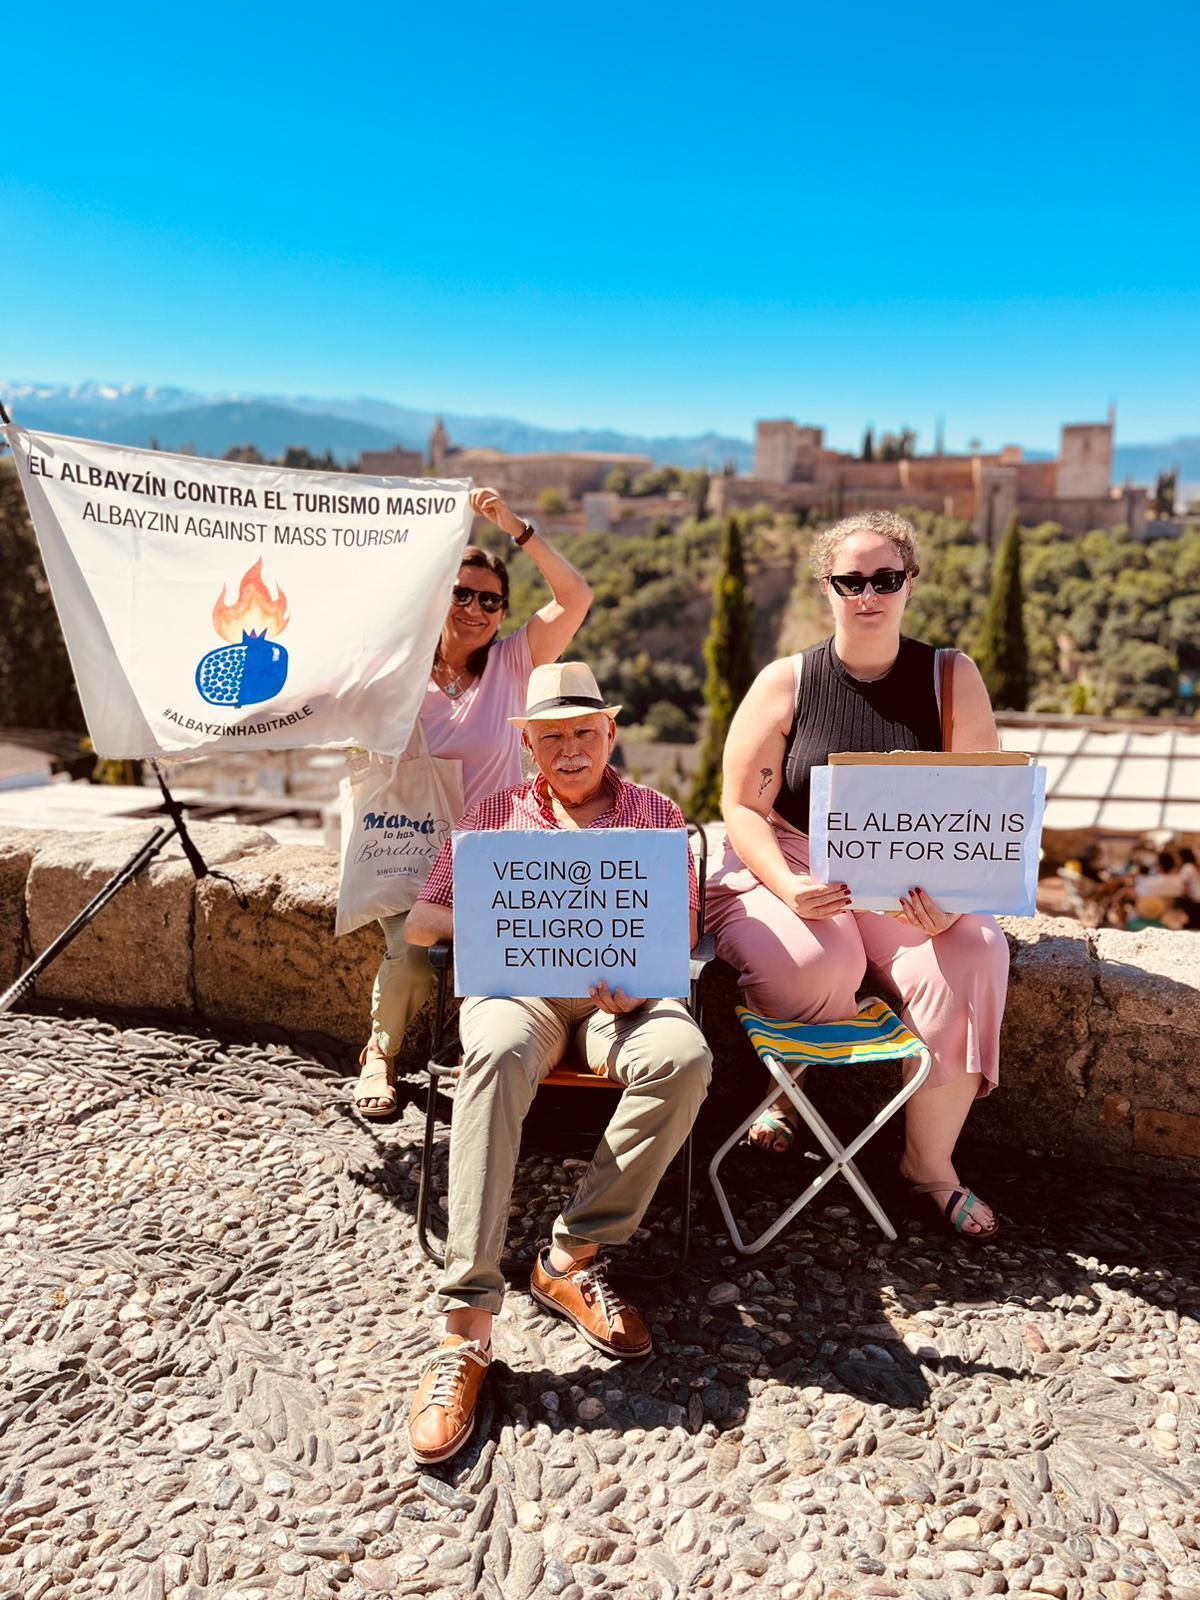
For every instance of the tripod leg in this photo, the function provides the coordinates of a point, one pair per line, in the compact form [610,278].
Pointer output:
[144,854]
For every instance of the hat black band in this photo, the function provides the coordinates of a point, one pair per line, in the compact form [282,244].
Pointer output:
[587,701]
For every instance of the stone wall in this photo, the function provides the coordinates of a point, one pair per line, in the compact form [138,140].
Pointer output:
[1101,1047]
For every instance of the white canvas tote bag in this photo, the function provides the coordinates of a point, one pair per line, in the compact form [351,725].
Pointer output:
[396,814]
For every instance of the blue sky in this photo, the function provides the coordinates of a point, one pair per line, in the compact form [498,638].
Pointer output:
[660,218]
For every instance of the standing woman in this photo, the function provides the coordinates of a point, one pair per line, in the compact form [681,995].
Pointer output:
[476,683]
[801,947]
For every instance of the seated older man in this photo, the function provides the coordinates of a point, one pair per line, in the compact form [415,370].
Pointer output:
[652,1047]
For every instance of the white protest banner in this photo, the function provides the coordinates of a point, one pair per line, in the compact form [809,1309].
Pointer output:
[175,579]
[554,913]
[965,828]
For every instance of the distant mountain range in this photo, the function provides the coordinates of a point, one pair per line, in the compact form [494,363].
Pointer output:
[211,424]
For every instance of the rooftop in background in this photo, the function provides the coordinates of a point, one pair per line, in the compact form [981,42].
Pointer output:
[1114,776]
[288,793]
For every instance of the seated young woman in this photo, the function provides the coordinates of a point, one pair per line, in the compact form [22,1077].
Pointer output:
[802,949]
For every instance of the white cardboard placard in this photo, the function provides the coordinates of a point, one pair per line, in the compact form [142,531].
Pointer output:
[969,835]
[553,913]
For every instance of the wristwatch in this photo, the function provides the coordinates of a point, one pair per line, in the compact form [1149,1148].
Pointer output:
[527,532]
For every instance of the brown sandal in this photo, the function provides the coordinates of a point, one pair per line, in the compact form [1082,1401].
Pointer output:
[376,1081]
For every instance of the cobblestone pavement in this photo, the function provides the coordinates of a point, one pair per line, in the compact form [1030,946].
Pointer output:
[213,1309]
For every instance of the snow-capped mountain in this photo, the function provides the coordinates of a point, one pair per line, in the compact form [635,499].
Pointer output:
[174,417]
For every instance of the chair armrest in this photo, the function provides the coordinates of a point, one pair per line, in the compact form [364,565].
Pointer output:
[705,951]
[440,954]
[441,959]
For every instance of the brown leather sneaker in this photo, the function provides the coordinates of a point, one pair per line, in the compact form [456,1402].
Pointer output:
[586,1298]
[442,1417]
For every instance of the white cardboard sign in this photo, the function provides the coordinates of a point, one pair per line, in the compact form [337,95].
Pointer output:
[967,833]
[552,913]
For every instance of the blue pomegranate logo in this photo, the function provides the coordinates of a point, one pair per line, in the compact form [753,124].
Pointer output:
[251,668]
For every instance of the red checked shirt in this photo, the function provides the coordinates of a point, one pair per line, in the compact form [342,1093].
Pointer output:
[527,809]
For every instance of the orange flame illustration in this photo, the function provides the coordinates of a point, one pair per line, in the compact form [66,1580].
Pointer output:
[254,611]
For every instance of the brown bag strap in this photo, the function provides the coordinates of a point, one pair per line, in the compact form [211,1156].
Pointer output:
[946,660]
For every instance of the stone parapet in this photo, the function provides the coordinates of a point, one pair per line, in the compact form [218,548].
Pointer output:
[265,950]
[1101,1045]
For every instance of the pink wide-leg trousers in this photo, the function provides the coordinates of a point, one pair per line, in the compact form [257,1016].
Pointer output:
[951,988]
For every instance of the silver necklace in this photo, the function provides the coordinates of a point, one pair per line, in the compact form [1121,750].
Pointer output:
[454,688]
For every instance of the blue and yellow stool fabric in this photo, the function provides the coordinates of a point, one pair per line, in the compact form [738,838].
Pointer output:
[787,1050]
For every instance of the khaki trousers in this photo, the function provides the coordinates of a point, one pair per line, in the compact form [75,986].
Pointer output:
[509,1045]
[403,983]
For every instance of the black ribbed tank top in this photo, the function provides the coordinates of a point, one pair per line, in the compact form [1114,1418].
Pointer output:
[834,711]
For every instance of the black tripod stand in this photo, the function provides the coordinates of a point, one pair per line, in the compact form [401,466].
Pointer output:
[141,857]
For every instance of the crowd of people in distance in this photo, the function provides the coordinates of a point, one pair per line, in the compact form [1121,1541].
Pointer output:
[1149,888]
[801,947]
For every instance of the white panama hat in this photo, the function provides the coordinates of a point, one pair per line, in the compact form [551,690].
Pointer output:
[561,690]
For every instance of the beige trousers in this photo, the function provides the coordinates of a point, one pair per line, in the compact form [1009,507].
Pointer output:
[403,983]
[509,1045]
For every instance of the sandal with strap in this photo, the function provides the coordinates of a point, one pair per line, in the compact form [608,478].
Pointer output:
[957,1209]
[779,1126]
[376,1081]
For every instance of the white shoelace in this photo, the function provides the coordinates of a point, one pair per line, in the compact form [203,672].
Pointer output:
[451,1365]
[593,1279]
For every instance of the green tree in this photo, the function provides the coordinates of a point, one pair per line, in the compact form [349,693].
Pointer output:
[868,448]
[670,723]
[37,688]
[1164,493]
[897,446]
[550,501]
[618,480]
[728,657]
[1002,655]
[1139,677]
[298,455]
[694,484]
[657,480]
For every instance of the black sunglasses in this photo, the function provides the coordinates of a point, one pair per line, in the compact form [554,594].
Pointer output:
[888,580]
[489,600]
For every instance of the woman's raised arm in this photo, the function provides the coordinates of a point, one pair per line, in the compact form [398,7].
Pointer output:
[551,629]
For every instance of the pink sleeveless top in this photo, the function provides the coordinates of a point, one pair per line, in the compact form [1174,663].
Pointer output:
[474,728]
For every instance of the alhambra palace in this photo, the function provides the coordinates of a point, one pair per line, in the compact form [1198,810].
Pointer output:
[795,471]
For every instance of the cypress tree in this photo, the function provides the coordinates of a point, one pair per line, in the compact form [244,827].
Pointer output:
[1003,655]
[729,656]
[868,445]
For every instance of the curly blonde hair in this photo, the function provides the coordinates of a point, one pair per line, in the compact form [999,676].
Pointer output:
[898,531]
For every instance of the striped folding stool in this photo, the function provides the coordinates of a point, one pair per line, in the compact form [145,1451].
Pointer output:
[788,1049]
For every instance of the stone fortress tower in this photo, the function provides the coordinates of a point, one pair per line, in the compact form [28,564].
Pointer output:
[792,467]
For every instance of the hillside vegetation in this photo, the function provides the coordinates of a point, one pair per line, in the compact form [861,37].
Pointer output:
[1111,623]
[645,634]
